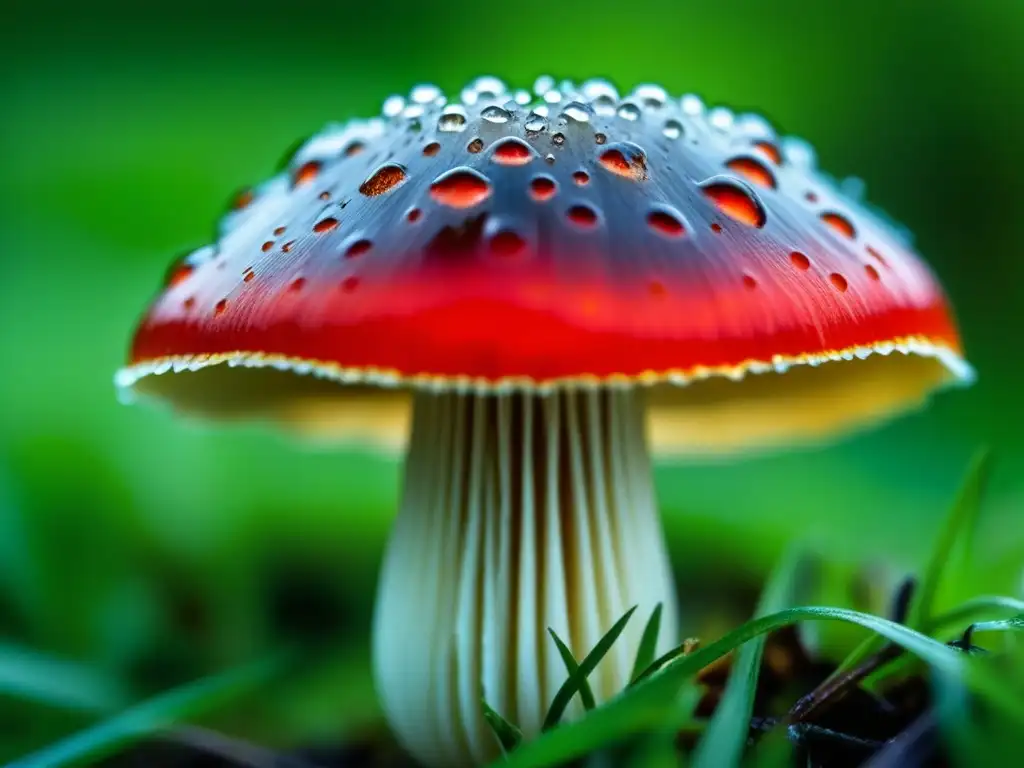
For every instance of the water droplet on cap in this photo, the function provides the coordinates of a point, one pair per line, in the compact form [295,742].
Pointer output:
[495,114]
[673,129]
[425,93]
[691,104]
[384,179]
[393,106]
[629,111]
[512,151]
[735,200]
[753,171]
[543,84]
[720,118]
[625,159]
[576,112]
[452,120]
[839,223]
[535,123]
[460,188]
[651,95]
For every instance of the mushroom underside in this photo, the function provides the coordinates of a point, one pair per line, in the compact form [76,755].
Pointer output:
[519,513]
[688,414]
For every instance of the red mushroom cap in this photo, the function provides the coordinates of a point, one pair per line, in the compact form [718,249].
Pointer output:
[568,237]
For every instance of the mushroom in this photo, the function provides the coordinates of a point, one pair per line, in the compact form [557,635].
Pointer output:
[558,284]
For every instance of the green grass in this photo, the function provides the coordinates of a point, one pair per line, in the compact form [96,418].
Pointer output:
[977,696]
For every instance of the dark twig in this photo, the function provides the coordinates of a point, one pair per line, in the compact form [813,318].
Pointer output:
[914,746]
[833,688]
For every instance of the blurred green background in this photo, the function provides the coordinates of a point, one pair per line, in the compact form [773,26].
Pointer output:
[156,551]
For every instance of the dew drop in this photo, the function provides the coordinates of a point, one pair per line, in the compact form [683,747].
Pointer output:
[413,215]
[721,118]
[475,146]
[691,104]
[393,106]
[666,223]
[673,129]
[496,115]
[549,159]
[535,124]
[267,246]
[811,197]
[597,88]
[306,173]
[629,111]
[452,120]
[872,272]
[735,201]
[354,149]
[543,84]
[460,188]
[581,177]
[769,150]
[600,138]
[800,261]
[325,225]
[349,284]
[558,139]
[576,112]
[507,243]
[220,307]
[839,223]
[189,303]
[249,275]
[288,246]
[749,282]
[877,256]
[512,151]
[297,285]
[278,231]
[358,248]
[625,159]
[753,171]
[716,228]
[651,95]
[543,188]
[431,149]
[582,215]
[838,281]
[604,105]
[179,274]
[424,93]
[384,179]
[243,199]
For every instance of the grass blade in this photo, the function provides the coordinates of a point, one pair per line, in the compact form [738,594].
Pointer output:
[976,609]
[959,524]
[589,664]
[31,676]
[958,527]
[572,667]
[141,720]
[507,734]
[727,731]
[648,644]
[644,706]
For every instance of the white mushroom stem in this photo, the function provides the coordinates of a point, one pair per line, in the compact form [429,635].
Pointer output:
[519,513]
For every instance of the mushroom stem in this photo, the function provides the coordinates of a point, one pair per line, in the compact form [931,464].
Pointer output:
[520,512]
